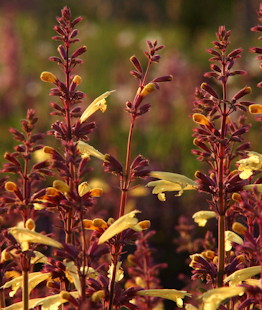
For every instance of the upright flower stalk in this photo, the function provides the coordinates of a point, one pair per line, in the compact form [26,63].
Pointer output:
[218,139]
[136,168]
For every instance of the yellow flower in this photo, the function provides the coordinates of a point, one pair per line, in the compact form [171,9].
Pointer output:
[54,301]
[20,306]
[33,280]
[213,298]
[200,119]
[201,217]
[255,109]
[72,274]
[119,272]
[241,275]
[87,150]
[170,182]
[247,165]
[124,222]
[48,77]
[61,186]
[96,224]
[84,188]
[98,104]
[230,237]
[250,187]
[25,236]
[170,294]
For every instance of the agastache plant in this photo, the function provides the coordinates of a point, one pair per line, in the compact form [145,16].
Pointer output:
[89,265]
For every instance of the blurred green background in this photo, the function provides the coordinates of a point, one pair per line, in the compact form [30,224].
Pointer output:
[114,30]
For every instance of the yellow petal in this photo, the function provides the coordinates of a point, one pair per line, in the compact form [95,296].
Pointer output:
[33,280]
[255,109]
[251,187]
[52,302]
[201,217]
[241,275]
[87,150]
[19,305]
[124,222]
[25,235]
[83,188]
[72,273]
[98,103]
[61,186]
[230,237]
[213,298]
[170,294]
[119,272]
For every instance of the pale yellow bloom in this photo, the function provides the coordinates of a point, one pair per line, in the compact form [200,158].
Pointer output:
[61,186]
[119,272]
[19,305]
[213,298]
[33,280]
[230,237]
[77,79]
[53,302]
[250,187]
[40,155]
[190,307]
[39,258]
[25,236]
[84,188]
[124,222]
[170,294]
[170,182]
[87,150]
[241,275]
[72,274]
[48,77]
[247,165]
[254,282]
[98,104]
[201,217]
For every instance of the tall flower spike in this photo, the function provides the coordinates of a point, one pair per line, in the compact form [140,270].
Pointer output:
[98,104]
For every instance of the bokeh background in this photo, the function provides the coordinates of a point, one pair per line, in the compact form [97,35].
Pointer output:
[114,30]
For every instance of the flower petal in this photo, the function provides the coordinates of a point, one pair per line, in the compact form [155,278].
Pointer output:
[201,217]
[241,275]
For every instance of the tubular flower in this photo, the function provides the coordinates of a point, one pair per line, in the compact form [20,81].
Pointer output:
[251,187]
[48,77]
[213,298]
[25,236]
[170,294]
[201,217]
[230,237]
[247,165]
[241,275]
[84,188]
[124,222]
[255,109]
[87,150]
[98,104]
[119,272]
[33,280]
[96,224]
[54,301]
[200,119]
[72,274]
[170,182]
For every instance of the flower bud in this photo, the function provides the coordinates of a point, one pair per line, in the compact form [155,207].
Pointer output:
[149,88]
[100,223]
[48,77]
[77,79]
[11,187]
[87,224]
[209,89]
[239,228]
[244,91]
[96,192]
[136,63]
[236,197]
